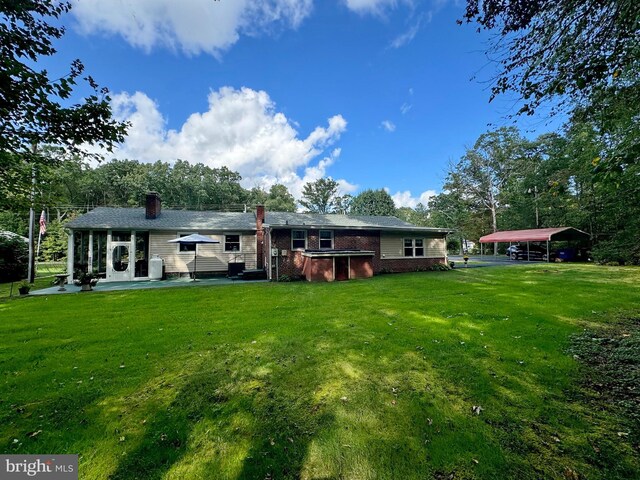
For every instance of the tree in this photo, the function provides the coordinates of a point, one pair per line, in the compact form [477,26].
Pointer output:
[547,48]
[34,109]
[476,183]
[343,204]
[280,200]
[419,216]
[14,255]
[373,202]
[320,196]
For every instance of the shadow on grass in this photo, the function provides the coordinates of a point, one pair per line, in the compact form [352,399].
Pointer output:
[227,423]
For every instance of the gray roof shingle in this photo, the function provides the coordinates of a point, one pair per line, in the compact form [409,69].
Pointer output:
[134,218]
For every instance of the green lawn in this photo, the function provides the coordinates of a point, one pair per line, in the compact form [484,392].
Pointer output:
[372,379]
[45,277]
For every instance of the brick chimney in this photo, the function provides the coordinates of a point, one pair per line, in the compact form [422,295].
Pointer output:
[260,235]
[153,206]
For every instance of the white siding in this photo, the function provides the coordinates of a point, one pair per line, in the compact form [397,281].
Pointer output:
[392,246]
[211,258]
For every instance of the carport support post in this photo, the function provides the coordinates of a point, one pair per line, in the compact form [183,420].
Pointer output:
[548,259]
[528,252]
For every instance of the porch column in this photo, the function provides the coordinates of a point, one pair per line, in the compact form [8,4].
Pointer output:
[70,254]
[132,255]
[90,253]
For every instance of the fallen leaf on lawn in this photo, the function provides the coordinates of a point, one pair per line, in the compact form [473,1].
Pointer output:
[393,402]
[477,409]
[556,439]
[475,461]
[429,421]
[272,442]
[623,434]
[344,399]
[34,434]
[122,439]
[122,365]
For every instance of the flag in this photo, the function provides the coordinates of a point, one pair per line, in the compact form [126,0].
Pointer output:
[43,224]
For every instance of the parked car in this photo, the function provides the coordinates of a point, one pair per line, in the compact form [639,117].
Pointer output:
[519,252]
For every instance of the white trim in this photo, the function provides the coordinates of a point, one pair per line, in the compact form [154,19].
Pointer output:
[224,243]
[320,239]
[178,245]
[413,248]
[306,239]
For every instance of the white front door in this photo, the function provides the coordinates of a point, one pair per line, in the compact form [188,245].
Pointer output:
[119,262]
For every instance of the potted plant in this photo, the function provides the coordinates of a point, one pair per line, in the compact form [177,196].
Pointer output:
[86,281]
[24,287]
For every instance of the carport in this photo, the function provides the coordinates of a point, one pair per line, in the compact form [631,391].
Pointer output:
[559,234]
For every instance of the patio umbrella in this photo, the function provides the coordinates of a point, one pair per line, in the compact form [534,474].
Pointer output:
[193,239]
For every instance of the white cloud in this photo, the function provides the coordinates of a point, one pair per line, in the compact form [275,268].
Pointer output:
[241,130]
[408,36]
[193,26]
[370,6]
[405,107]
[406,199]
[388,125]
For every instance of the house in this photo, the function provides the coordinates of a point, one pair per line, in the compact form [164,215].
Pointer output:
[118,244]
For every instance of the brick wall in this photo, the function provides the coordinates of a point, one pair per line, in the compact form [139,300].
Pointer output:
[293,263]
[399,265]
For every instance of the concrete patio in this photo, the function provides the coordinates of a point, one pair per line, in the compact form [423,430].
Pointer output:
[146,284]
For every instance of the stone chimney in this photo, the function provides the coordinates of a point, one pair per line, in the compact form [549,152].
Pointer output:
[260,235]
[153,205]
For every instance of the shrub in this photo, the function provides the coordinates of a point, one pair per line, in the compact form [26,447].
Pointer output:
[14,258]
[439,267]
[623,249]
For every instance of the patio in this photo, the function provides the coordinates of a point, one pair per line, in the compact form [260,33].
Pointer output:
[145,284]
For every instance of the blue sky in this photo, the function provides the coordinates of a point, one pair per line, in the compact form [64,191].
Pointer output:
[374,93]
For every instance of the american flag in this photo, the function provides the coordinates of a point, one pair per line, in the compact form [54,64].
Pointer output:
[43,223]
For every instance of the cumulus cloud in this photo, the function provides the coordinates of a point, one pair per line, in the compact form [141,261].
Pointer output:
[388,125]
[406,199]
[241,130]
[193,26]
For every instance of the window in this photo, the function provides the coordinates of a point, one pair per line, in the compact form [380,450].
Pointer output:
[232,243]
[186,247]
[414,247]
[298,239]
[419,247]
[326,239]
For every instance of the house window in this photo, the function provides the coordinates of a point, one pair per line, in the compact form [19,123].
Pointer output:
[326,239]
[232,243]
[298,239]
[414,247]
[186,247]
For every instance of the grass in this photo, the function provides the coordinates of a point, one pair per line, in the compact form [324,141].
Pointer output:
[44,278]
[372,379]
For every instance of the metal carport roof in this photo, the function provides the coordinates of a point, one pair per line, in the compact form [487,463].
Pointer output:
[536,235]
